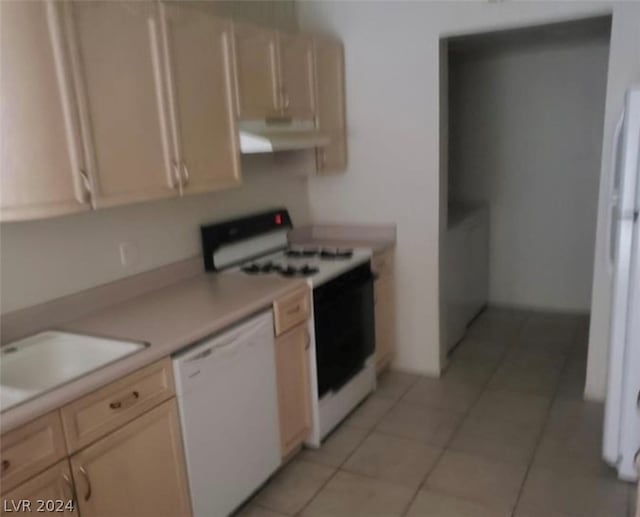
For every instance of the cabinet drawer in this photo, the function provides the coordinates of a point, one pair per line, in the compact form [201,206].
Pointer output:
[100,412]
[382,263]
[291,310]
[30,449]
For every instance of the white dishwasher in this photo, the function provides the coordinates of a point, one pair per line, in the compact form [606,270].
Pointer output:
[226,390]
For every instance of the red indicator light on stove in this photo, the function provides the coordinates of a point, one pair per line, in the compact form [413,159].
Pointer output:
[278,219]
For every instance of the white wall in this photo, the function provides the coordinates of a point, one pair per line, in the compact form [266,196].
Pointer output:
[43,260]
[525,136]
[392,110]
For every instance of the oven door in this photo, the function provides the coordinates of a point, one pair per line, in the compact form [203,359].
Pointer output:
[344,327]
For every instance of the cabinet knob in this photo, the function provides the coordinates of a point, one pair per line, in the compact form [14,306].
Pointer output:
[5,465]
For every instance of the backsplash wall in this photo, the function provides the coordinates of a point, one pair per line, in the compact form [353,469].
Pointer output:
[44,260]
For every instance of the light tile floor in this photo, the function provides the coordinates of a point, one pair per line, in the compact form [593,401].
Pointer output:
[504,432]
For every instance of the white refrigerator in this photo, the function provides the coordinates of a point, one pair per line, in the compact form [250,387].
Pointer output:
[622,412]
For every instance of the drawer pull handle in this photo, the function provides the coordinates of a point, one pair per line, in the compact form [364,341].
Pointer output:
[131,399]
[71,487]
[87,494]
[322,157]
[295,309]
[5,465]
[186,174]
[175,175]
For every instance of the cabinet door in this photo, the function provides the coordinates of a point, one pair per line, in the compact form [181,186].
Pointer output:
[136,470]
[292,369]
[296,86]
[119,77]
[384,321]
[49,493]
[256,67]
[40,158]
[330,109]
[198,51]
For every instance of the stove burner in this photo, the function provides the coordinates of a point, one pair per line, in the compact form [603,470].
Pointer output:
[305,270]
[337,253]
[303,252]
[269,267]
[308,270]
[284,269]
[288,271]
[252,269]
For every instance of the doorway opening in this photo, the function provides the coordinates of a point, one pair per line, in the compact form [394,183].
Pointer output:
[523,114]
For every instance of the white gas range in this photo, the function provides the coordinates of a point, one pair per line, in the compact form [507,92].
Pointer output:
[317,265]
[342,325]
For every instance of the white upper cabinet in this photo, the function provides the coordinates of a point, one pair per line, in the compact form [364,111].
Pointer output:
[40,153]
[119,77]
[202,97]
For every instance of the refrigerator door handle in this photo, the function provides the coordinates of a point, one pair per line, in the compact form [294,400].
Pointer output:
[613,192]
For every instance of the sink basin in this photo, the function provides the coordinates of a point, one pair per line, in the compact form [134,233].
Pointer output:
[44,361]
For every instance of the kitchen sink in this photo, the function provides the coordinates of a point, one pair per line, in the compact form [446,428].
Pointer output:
[36,364]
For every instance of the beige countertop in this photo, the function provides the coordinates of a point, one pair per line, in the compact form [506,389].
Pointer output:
[377,246]
[168,319]
[378,238]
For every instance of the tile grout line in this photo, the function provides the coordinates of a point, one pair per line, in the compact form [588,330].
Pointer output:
[369,432]
[446,446]
[540,435]
[485,388]
[397,396]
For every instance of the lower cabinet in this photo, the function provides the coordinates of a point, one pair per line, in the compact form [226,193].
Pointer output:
[383,290]
[49,493]
[382,266]
[292,368]
[135,471]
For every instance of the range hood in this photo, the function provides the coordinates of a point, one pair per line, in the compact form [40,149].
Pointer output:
[279,134]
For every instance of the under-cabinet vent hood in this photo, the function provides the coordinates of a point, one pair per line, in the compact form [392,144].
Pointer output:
[279,134]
